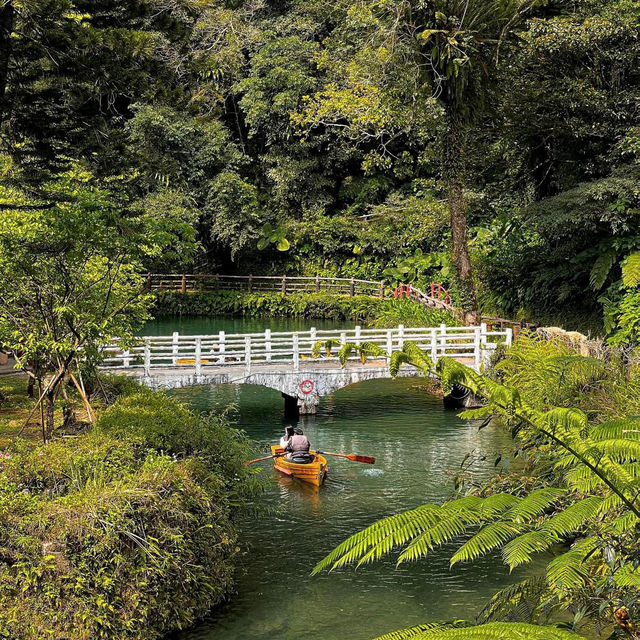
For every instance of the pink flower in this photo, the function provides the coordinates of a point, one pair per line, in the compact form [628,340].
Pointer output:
[7,455]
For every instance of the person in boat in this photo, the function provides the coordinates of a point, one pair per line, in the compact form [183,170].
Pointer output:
[288,434]
[297,448]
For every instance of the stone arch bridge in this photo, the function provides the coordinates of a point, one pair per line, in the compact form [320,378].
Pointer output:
[285,361]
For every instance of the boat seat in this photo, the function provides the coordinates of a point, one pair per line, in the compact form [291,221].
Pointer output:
[300,457]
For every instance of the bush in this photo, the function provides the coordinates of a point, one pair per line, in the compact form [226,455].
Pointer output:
[319,305]
[126,532]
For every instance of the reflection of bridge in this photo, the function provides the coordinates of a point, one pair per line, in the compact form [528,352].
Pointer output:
[285,361]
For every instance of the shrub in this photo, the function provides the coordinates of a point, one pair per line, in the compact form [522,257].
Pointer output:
[126,532]
[319,305]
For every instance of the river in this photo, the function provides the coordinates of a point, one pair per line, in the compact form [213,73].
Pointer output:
[416,442]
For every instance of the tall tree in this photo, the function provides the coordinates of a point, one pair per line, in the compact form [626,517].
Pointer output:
[70,279]
[439,56]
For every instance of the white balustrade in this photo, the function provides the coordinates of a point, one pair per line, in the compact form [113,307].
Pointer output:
[471,345]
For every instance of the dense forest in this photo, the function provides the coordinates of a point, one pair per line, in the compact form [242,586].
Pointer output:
[344,137]
[489,146]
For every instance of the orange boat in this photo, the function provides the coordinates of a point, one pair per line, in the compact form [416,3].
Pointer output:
[314,472]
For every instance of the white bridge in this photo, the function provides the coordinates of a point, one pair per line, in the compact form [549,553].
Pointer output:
[288,362]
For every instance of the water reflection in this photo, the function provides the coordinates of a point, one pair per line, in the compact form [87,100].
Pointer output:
[415,441]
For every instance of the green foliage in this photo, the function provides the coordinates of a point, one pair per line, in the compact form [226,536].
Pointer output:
[308,305]
[105,536]
[410,314]
[581,505]
[492,631]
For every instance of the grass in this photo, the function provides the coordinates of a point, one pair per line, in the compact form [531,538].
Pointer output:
[15,406]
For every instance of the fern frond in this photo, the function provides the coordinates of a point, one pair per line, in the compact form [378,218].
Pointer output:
[520,550]
[628,428]
[631,270]
[602,267]
[398,358]
[533,504]
[316,350]
[373,350]
[329,345]
[418,357]
[627,576]
[516,602]
[489,538]
[499,631]
[573,518]
[345,353]
[569,570]
[392,530]
[421,629]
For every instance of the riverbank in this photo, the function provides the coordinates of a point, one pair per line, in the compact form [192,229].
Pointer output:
[126,530]
[377,312]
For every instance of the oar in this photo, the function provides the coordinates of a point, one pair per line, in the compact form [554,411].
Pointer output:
[277,455]
[350,456]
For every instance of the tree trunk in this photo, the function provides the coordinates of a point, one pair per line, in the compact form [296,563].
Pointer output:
[453,159]
[48,417]
[6,28]
[31,383]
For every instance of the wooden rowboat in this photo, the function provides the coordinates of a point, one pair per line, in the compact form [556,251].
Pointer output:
[314,472]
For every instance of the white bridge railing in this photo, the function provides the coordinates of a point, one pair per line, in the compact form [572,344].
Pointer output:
[204,353]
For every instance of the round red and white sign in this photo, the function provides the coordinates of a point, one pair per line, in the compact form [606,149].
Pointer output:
[307,386]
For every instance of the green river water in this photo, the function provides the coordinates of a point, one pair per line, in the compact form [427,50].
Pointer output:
[415,442]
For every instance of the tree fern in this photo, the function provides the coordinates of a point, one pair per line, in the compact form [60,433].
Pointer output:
[598,472]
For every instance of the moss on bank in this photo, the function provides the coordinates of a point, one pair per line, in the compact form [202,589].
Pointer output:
[125,532]
[364,309]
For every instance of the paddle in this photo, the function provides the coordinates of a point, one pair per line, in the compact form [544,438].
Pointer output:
[350,456]
[278,455]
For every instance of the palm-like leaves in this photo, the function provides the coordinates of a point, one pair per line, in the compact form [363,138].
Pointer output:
[364,350]
[603,462]
[491,631]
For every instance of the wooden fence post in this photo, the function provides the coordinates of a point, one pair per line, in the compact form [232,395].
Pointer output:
[174,348]
[434,347]
[389,341]
[357,335]
[296,352]
[509,340]
[250,283]
[267,344]
[284,285]
[198,356]
[317,283]
[443,340]
[247,355]
[147,286]
[183,284]
[381,292]
[352,288]
[221,347]
[126,362]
